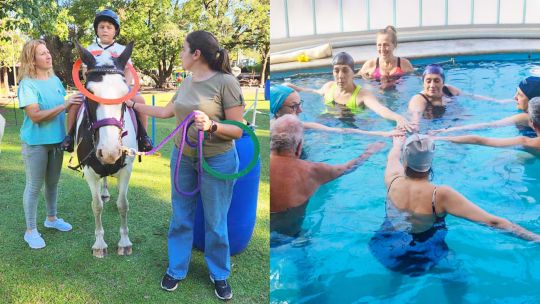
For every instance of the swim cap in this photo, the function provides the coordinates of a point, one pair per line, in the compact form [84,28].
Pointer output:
[534,111]
[530,86]
[433,69]
[418,152]
[343,58]
[278,94]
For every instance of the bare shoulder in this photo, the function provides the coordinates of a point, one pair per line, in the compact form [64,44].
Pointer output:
[326,87]
[406,65]
[368,65]
[446,194]
[417,99]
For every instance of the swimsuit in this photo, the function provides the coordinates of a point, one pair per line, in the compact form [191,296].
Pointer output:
[409,253]
[288,222]
[435,111]
[397,73]
[351,103]
[526,131]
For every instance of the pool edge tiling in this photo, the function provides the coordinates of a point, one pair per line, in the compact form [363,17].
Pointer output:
[421,49]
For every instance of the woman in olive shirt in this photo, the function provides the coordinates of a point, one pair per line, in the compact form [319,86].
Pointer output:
[213,94]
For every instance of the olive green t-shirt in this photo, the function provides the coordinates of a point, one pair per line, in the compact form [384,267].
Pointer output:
[212,96]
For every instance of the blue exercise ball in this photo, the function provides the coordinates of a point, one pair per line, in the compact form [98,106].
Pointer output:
[243,210]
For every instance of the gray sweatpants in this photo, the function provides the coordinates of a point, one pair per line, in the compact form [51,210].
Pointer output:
[42,163]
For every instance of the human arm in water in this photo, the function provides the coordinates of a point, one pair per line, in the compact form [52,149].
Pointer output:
[493,142]
[371,102]
[321,127]
[367,69]
[417,106]
[454,203]
[518,119]
[324,173]
[394,168]
[320,91]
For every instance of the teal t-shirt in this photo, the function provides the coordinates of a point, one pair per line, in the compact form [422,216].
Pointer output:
[47,94]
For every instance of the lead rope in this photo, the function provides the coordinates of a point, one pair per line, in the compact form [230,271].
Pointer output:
[184,125]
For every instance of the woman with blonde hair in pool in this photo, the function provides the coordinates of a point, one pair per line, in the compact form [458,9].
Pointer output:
[386,66]
[412,238]
[526,142]
[348,97]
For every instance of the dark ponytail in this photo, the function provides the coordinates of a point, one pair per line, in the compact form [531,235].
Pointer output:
[215,56]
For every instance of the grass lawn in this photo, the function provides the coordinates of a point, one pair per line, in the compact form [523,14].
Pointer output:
[65,270]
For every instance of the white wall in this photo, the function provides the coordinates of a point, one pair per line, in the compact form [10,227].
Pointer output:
[356,16]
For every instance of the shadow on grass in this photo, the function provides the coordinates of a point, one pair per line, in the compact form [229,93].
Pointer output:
[66,271]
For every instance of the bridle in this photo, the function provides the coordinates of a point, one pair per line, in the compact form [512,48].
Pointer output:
[94,124]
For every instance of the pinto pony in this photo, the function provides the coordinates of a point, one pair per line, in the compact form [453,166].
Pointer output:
[103,131]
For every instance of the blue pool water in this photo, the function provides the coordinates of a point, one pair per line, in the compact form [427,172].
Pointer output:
[330,261]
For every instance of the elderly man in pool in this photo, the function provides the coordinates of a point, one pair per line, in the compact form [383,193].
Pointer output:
[292,180]
[285,100]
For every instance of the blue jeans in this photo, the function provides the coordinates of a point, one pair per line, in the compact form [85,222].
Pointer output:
[216,197]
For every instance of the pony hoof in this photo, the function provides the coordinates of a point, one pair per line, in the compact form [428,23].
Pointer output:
[99,253]
[124,250]
[105,198]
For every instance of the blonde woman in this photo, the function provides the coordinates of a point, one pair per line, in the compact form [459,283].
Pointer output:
[386,65]
[41,96]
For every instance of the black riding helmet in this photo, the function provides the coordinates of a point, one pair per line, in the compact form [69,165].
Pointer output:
[107,15]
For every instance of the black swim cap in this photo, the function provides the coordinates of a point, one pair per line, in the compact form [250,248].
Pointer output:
[344,59]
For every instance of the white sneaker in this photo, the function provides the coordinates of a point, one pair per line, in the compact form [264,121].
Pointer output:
[59,224]
[34,239]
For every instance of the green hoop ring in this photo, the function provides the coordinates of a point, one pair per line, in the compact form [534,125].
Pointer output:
[250,165]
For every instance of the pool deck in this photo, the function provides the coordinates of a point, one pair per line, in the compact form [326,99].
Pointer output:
[415,43]
[422,49]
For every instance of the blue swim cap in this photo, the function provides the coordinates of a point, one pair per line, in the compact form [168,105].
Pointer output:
[278,94]
[530,86]
[433,69]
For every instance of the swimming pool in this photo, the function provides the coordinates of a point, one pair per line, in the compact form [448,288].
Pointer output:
[330,261]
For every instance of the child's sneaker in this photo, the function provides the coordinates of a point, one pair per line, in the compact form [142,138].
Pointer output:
[59,224]
[34,239]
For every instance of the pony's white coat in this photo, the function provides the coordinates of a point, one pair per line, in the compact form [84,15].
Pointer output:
[110,141]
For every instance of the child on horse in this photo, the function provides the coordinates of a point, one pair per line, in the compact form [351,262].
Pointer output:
[107,28]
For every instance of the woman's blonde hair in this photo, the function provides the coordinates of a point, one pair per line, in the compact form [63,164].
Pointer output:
[28,59]
[390,31]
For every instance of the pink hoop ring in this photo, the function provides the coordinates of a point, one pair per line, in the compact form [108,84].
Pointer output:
[85,92]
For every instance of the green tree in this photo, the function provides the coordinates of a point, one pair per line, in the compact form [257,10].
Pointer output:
[158,28]
[237,24]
